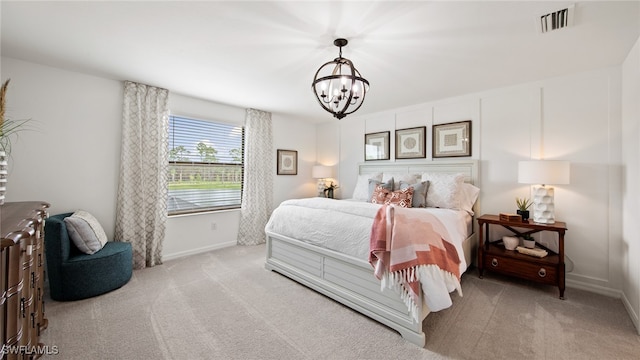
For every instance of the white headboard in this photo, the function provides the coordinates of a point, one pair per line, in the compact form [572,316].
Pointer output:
[469,167]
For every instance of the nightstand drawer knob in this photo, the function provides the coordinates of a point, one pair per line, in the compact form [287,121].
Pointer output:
[542,272]
[494,262]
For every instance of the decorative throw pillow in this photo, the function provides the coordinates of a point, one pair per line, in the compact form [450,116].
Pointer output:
[388,185]
[444,190]
[361,191]
[401,198]
[85,232]
[379,195]
[398,177]
[419,192]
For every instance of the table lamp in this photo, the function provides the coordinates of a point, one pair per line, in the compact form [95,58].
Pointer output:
[321,173]
[543,173]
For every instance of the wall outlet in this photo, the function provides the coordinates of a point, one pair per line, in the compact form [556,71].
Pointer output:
[214,226]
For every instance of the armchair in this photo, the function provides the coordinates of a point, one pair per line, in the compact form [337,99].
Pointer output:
[74,275]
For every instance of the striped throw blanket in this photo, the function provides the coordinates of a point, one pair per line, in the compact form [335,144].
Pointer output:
[409,250]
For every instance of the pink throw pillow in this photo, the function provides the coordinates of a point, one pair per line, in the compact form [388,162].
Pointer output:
[401,198]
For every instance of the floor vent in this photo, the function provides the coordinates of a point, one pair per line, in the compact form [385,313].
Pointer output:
[555,20]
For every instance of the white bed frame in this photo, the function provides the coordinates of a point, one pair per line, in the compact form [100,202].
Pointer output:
[350,280]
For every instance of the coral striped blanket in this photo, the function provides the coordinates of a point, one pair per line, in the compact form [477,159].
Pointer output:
[409,250]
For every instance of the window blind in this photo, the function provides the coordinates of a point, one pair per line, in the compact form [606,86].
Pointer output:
[205,165]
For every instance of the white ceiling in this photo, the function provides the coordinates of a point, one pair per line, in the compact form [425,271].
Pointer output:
[264,54]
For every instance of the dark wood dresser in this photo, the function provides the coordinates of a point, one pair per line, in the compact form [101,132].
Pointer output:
[22,267]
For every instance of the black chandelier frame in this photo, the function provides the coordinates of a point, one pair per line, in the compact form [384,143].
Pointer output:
[341,87]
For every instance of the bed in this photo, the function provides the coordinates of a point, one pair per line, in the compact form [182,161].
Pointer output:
[348,278]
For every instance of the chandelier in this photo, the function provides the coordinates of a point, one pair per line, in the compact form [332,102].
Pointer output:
[338,86]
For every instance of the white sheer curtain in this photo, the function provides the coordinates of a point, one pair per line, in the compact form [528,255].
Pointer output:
[141,211]
[257,190]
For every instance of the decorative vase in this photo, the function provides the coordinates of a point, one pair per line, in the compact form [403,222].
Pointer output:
[328,193]
[510,242]
[524,214]
[3,175]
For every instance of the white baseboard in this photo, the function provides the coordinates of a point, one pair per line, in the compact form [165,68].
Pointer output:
[166,257]
[632,314]
[594,288]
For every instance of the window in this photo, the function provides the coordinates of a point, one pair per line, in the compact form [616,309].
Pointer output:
[205,165]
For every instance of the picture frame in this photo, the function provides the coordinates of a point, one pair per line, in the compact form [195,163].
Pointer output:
[411,143]
[287,162]
[376,146]
[452,139]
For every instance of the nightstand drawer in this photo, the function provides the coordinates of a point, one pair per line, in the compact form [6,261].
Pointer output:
[542,273]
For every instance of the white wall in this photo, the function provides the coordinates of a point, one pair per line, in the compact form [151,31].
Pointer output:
[630,181]
[575,117]
[328,150]
[71,159]
[300,136]
[76,146]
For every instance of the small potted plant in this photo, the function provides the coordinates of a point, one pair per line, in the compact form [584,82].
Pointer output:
[528,241]
[328,190]
[523,208]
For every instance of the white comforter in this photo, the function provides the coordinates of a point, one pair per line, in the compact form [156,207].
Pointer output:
[345,226]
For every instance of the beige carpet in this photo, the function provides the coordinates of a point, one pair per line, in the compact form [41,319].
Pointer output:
[225,305]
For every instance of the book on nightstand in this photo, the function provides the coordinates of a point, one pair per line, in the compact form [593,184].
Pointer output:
[537,252]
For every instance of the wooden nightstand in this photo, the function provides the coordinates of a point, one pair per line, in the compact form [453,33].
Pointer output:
[493,256]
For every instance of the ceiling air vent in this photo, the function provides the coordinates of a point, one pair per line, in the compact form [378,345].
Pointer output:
[555,20]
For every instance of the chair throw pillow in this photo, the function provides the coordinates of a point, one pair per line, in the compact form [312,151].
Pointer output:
[85,232]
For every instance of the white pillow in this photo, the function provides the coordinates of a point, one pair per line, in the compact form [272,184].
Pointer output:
[85,232]
[397,177]
[468,196]
[444,190]
[361,191]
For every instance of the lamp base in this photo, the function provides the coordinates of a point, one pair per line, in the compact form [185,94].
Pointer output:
[543,208]
[321,186]
[544,221]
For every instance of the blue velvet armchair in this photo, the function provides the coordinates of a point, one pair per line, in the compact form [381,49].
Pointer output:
[74,275]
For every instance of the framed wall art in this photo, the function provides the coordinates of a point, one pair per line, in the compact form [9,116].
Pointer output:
[452,139]
[376,146]
[411,143]
[287,162]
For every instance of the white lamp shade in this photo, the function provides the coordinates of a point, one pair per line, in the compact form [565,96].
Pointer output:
[552,172]
[321,172]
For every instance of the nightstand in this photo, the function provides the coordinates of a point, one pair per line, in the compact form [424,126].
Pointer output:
[494,257]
